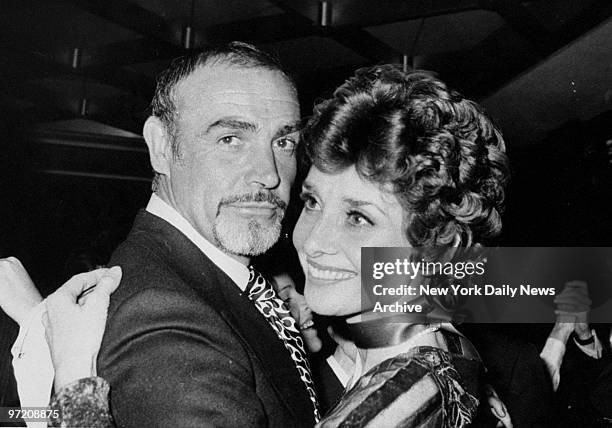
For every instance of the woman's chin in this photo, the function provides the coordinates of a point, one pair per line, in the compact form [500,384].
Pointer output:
[330,302]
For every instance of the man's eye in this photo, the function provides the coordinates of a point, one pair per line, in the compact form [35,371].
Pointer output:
[229,140]
[287,145]
[356,218]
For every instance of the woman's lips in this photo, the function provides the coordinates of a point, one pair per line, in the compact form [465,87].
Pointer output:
[328,273]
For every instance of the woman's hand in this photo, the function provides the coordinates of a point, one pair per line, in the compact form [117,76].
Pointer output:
[18,294]
[74,322]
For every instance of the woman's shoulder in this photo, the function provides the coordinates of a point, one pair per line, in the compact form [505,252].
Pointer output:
[423,387]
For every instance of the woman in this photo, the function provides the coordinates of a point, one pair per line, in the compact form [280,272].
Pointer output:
[397,160]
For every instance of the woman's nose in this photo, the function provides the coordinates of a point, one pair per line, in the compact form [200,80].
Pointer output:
[321,239]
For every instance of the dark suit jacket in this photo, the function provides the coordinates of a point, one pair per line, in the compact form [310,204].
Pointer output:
[585,391]
[516,372]
[184,348]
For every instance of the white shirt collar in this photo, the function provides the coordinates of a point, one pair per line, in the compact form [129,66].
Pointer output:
[238,272]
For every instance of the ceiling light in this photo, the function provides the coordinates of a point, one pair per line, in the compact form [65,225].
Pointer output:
[325,14]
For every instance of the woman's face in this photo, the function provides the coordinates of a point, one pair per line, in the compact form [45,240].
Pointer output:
[341,214]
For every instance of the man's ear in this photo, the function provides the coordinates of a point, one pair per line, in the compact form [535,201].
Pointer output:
[158,141]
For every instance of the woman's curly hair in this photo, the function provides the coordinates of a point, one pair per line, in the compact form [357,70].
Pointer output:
[436,151]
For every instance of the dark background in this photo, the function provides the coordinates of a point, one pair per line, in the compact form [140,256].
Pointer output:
[76,77]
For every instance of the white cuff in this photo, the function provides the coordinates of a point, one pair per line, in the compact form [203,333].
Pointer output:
[342,376]
[552,355]
[32,362]
[594,349]
[24,328]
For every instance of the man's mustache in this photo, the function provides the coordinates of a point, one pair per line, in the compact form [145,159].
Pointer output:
[260,196]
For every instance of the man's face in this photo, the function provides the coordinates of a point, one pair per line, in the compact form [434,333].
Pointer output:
[237,129]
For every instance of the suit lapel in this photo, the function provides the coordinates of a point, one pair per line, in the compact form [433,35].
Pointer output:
[255,330]
[240,313]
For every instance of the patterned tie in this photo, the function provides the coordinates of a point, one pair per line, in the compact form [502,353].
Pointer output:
[273,309]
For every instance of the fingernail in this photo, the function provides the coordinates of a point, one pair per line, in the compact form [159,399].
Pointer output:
[502,415]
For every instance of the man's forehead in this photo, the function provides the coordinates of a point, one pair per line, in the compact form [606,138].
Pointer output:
[222,82]
[255,110]
[246,97]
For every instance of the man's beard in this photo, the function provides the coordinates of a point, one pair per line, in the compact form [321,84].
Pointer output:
[247,237]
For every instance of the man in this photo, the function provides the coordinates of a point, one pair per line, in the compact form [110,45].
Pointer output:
[578,366]
[184,345]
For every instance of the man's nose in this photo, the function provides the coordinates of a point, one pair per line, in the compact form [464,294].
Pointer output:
[263,170]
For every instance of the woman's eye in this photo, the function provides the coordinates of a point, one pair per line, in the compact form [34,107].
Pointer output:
[310,203]
[357,219]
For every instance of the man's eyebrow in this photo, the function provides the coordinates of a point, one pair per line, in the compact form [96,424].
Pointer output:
[241,125]
[356,203]
[289,129]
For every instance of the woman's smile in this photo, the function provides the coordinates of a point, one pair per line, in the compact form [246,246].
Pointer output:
[320,272]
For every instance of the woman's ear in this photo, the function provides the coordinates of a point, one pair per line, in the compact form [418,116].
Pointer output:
[159,144]
[451,250]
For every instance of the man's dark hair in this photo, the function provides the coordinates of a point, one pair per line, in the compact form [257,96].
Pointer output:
[239,54]
[437,151]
